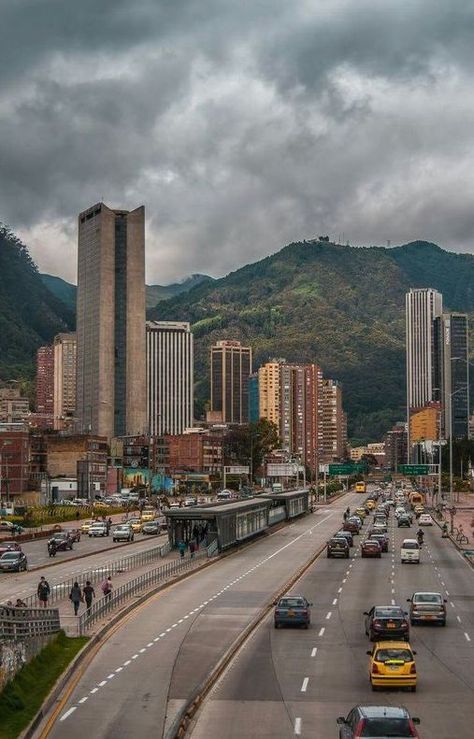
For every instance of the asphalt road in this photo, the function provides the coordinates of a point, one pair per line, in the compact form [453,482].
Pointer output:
[67,564]
[149,666]
[291,682]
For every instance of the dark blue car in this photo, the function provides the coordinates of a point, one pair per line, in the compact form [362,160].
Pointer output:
[292,610]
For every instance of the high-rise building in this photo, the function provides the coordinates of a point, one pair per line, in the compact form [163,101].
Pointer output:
[396,446]
[254,412]
[13,407]
[333,422]
[269,382]
[231,365]
[423,305]
[45,383]
[65,361]
[300,412]
[170,377]
[451,332]
[111,348]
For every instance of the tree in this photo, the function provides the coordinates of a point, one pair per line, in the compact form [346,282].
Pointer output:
[250,443]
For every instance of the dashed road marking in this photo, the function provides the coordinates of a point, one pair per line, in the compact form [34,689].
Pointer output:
[304,686]
[314,651]
[468,638]
[297,726]
[321,631]
[328,615]
[68,713]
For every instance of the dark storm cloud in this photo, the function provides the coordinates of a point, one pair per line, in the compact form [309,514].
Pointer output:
[241,126]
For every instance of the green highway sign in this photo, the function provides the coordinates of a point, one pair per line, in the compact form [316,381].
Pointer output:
[346,469]
[414,469]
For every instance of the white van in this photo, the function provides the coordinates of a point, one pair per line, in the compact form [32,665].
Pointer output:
[410,551]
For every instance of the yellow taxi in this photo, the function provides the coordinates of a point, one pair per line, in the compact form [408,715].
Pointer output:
[361,512]
[392,665]
[370,504]
[148,514]
[86,526]
[136,525]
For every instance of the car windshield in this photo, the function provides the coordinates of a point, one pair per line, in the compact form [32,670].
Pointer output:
[410,545]
[291,603]
[10,555]
[386,654]
[427,598]
[387,613]
[386,727]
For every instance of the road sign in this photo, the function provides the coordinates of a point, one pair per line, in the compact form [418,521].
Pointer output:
[237,470]
[414,469]
[283,470]
[346,469]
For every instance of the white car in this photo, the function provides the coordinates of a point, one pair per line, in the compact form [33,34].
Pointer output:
[425,520]
[410,551]
[98,529]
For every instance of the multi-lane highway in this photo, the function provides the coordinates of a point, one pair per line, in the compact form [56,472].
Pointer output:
[150,665]
[291,682]
[283,682]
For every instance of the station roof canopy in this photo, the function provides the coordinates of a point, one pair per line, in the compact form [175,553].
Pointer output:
[213,510]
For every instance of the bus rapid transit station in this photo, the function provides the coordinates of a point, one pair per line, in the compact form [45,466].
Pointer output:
[227,524]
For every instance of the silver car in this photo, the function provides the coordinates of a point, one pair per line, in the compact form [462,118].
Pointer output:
[123,532]
[98,529]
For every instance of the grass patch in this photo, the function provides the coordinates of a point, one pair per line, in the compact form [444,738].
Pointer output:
[23,696]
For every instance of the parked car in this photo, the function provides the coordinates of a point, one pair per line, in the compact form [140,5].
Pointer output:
[425,520]
[98,528]
[386,622]
[378,722]
[292,610]
[123,532]
[370,548]
[151,527]
[9,546]
[13,562]
[62,541]
[337,547]
[8,527]
[392,665]
[427,607]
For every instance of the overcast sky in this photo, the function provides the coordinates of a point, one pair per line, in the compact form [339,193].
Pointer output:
[240,125]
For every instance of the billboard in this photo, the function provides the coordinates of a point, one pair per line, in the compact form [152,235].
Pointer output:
[282,470]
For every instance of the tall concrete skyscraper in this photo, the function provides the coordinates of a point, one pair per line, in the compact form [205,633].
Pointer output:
[170,377]
[423,305]
[45,382]
[451,341]
[231,365]
[111,348]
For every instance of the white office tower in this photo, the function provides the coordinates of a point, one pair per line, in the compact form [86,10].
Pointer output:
[423,305]
[170,377]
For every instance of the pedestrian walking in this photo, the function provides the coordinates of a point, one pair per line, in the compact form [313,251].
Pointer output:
[107,588]
[192,549]
[43,592]
[181,549]
[75,596]
[89,593]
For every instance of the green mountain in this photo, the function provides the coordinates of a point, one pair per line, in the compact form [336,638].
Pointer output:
[66,292]
[30,315]
[340,306]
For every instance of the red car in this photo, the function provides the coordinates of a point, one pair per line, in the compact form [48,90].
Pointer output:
[370,548]
[351,526]
[9,546]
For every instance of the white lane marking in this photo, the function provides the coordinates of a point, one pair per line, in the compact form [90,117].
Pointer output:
[328,615]
[314,651]
[109,677]
[125,664]
[393,590]
[340,590]
[142,650]
[452,604]
[458,618]
[68,713]
[334,601]
[468,638]
[345,580]
[101,684]
[393,602]
[297,726]
[443,583]
[83,700]
[94,690]
[304,687]
[119,669]
[135,656]
[446,592]
[321,631]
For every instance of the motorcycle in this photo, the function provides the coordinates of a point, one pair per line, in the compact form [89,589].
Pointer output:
[420,536]
[52,549]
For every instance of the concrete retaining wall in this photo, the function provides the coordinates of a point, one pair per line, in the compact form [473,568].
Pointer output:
[14,654]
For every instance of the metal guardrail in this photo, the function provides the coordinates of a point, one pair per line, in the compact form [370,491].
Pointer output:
[108,603]
[212,548]
[26,623]
[61,590]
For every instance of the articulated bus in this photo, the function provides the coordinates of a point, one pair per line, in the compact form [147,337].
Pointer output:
[361,487]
